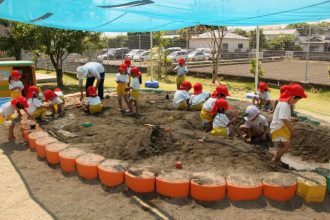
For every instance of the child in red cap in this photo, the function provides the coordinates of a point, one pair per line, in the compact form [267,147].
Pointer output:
[56,104]
[135,89]
[93,101]
[281,127]
[263,99]
[59,94]
[36,109]
[7,114]
[15,85]
[182,97]
[181,71]
[221,125]
[122,79]
[198,98]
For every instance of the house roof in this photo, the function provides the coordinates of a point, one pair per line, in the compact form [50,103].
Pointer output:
[280,32]
[229,35]
[316,39]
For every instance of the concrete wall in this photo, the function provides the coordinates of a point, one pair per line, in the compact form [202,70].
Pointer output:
[232,43]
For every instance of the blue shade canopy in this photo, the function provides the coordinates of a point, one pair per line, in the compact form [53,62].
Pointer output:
[155,15]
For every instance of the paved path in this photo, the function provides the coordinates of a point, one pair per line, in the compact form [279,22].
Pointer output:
[42,78]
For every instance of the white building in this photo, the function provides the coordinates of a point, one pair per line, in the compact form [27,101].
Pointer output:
[270,34]
[231,43]
[318,43]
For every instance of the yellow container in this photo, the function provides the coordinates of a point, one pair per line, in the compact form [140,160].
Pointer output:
[311,187]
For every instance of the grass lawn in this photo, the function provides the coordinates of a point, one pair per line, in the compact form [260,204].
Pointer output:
[317,103]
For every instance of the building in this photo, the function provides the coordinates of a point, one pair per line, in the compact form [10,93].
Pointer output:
[231,43]
[270,34]
[318,43]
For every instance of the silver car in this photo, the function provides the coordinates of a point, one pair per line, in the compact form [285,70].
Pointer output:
[175,55]
[197,56]
[132,53]
[142,56]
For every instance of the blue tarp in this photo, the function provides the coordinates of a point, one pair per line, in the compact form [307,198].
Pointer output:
[155,15]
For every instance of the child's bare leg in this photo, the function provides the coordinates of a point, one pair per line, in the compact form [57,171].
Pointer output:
[128,103]
[232,132]
[136,106]
[283,147]
[120,102]
[11,135]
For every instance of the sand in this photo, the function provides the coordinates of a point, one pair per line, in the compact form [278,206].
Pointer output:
[207,178]
[243,179]
[312,179]
[174,175]
[72,153]
[280,179]
[114,165]
[141,171]
[90,159]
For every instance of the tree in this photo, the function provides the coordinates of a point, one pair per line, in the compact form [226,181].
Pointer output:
[285,42]
[253,66]
[241,32]
[253,39]
[303,28]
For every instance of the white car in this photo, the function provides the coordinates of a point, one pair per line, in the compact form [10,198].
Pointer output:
[132,53]
[105,56]
[207,52]
[197,56]
[142,56]
[175,55]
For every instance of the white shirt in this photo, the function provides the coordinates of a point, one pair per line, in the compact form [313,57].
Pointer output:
[128,70]
[179,96]
[180,70]
[93,100]
[56,101]
[282,111]
[59,94]
[264,95]
[94,70]
[14,84]
[260,121]
[199,98]
[135,83]
[209,104]
[6,109]
[220,121]
[34,103]
[122,78]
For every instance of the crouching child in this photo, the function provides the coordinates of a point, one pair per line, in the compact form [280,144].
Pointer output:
[182,97]
[93,101]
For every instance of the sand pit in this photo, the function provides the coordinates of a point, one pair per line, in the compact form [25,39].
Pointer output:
[280,179]
[116,136]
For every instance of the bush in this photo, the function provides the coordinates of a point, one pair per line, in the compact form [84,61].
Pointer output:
[253,68]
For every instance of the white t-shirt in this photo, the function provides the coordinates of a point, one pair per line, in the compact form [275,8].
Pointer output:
[93,100]
[264,95]
[135,83]
[14,84]
[6,109]
[260,121]
[122,78]
[179,96]
[56,101]
[59,93]
[34,103]
[199,98]
[282,111]
[94,70]
[180,70]
[209,104]
[220,121]
[129,70]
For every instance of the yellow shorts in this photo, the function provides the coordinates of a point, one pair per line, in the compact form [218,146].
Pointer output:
[206,116]
[39,113]
[281,135]
[182,105]
[224,132]
[180,79]
[135,94]
[10,117]
[96,108]
[15,93]
[121,89]
[197,107]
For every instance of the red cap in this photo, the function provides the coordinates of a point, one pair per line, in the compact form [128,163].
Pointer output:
[181,61]
[57,90]
[293,90]
[223,90]
[185,85]
[214,94]
[127,61]
[135,71]
[49,94]
[220,103]
[20,99]
[198,88]
[123,66]
[31,91]
[91,91]
[263,87]
[16,74]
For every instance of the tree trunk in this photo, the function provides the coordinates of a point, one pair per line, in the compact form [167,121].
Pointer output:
[58,68]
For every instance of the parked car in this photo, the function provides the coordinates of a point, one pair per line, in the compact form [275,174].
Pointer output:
[118,53]
[175,55]
[105,55]
[197,56]
[207,52]
[142,56]
[131,53]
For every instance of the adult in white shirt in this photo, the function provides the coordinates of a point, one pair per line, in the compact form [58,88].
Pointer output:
[91,71]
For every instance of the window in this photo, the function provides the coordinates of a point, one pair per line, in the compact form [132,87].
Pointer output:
[240,46]
[225,46]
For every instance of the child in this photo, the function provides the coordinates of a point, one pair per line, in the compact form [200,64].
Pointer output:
[56,104]
[198,98]
[263,97]
[15,85]
[135,87]
[255,126]
[222,91]
[182,97]
[59,94]
[93,101]
[206,114]
[221,125]
[181,71]
[7,111]
[122,79]
[281,127]
[35,109]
